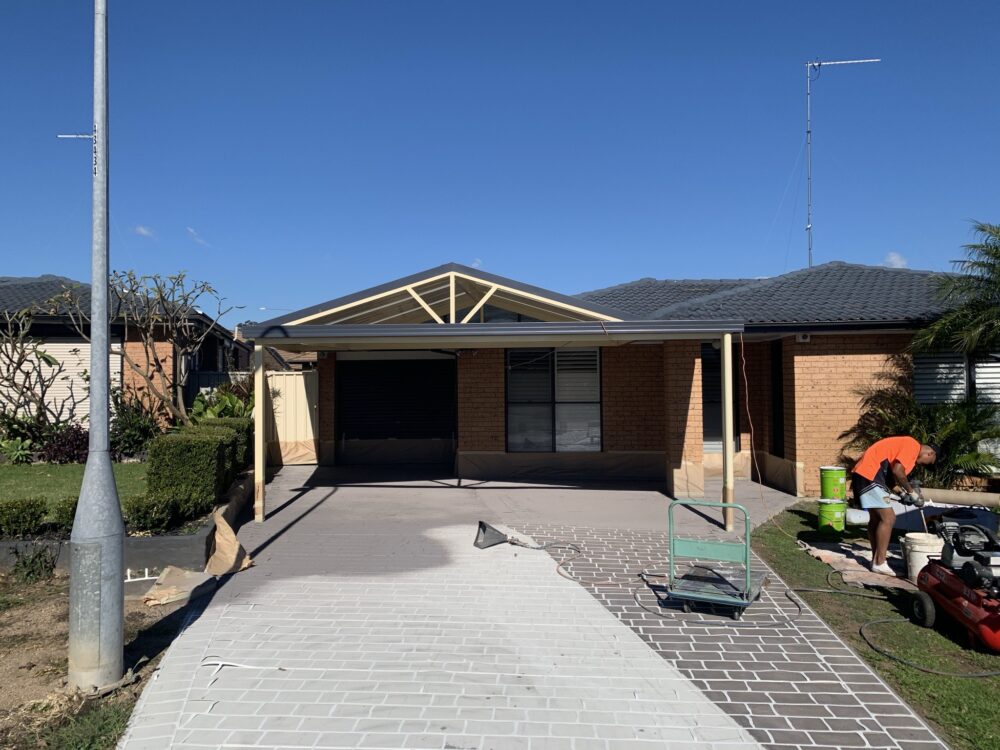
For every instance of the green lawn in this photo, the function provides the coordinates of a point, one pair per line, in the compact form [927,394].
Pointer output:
[965,711]
[53,482]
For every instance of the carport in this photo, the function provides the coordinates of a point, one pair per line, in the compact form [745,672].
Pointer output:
[502,380]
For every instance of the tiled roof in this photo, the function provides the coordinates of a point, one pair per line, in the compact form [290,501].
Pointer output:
[643,297]
[833,293]
[20,292]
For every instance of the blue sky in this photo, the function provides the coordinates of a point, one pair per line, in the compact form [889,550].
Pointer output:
[292,152]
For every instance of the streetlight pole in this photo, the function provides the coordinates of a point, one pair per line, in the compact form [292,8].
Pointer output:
[811,67]
[97,589]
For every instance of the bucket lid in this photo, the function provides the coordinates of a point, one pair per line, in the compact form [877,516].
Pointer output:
[920,536]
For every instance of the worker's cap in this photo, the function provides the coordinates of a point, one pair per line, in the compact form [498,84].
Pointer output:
[936,447]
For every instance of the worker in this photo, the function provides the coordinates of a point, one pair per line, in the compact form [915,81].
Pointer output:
[887,463]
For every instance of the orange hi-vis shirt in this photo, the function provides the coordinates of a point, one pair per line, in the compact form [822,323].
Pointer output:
[876,464]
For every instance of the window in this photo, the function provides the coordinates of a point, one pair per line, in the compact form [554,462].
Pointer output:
[939,378]
[553,400]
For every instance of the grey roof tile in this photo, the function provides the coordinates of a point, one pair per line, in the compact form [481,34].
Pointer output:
[20,292]
[834,293]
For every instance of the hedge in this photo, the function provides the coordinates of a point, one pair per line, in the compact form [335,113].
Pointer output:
[145,513]
[231,445]
[188,468]
[63,512]
[244,435]
[22,516]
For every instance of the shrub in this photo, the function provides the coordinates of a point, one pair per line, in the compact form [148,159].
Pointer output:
[22,516]
[188,468]
[68,444]
[962,428]
[14,428]
[34,564]
[220,403]
[132,426]
[17,450]
[244,436]
[62,512]
[146,513]
[230,441]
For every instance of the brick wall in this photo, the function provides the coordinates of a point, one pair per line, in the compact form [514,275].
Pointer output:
[133,383]
[326,385]
[822,380]
[683,418]
[758,398]
[632,398]
[481,417]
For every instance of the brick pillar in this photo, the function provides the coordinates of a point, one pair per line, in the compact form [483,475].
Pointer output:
[481,417]
[325,367]
[683,411]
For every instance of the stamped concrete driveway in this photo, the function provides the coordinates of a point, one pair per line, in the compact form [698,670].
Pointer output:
[370,621]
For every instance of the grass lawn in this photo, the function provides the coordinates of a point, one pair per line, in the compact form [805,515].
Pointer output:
[54,482]
[965,711]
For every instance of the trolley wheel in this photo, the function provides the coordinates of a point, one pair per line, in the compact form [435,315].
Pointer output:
[924,611]
[738,613]
[686,606]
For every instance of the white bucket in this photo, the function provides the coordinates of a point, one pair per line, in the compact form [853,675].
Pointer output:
[918,547]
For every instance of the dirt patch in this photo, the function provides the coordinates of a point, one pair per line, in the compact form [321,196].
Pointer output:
[34,624]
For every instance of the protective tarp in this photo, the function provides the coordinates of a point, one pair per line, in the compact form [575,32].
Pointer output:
[228,555]
[291,453]
[178,585]
[564,467]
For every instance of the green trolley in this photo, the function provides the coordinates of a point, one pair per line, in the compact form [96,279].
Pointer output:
[714,572]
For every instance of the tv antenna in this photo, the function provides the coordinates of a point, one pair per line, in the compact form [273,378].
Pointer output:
[813,67]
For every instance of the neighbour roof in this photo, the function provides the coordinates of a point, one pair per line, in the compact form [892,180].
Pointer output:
[20,292]
[834,293]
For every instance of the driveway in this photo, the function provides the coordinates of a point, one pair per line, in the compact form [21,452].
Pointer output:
[370,621]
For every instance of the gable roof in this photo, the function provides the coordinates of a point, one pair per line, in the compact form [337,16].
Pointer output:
[325,311]
[833,294]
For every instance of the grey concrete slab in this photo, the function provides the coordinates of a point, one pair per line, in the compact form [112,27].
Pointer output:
[370,620]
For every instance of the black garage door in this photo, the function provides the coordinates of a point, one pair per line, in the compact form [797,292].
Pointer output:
[395,411]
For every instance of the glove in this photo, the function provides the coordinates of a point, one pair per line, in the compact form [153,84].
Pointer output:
[913,498]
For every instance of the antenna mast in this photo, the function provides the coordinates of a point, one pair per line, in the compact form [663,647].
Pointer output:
[815,65]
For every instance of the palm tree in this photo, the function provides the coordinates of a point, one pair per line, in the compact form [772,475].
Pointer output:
[973,322]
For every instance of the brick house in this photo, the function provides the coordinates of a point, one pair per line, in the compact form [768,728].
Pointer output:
[219,353]
[638,381]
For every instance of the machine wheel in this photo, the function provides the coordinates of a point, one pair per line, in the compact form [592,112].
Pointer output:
[686,607]
[924,611]
[738,613]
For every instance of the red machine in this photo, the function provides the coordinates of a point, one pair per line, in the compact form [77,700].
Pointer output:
[965,583]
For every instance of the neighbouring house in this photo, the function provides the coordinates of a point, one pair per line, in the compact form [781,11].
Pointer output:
[502,379]
[219,354]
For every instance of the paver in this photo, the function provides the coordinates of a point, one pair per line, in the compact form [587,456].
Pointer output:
[786,677]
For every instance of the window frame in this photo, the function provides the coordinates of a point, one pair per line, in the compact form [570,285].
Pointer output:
[553,402]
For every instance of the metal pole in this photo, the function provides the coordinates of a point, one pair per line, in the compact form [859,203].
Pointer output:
[728,436]
[809,161]
[97,590]
[810,67]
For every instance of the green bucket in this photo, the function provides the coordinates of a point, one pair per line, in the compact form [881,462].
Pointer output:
[833,482]
[831,515]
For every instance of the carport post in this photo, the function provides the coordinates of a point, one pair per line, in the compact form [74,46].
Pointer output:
[259,429]
[728,473]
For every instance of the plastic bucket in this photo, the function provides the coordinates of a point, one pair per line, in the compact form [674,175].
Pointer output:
[918,548]
[833,482]
[831,515]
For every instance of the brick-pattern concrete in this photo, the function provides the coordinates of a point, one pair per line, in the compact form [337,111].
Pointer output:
[365,629]
[481,399]
[786,677]
[632,399]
